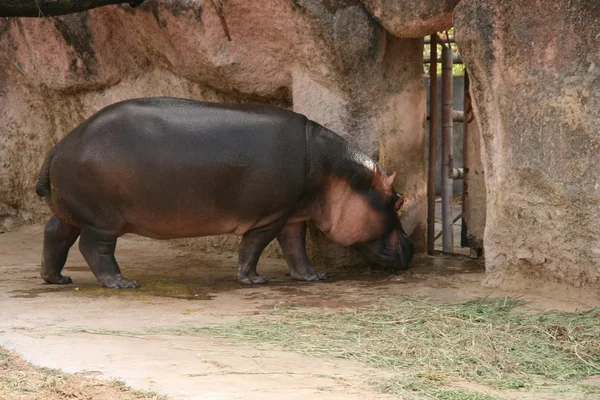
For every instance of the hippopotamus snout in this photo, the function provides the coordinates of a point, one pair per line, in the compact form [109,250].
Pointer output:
[395,250]
[407,249]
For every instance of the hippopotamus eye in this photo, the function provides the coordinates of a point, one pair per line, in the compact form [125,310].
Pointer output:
[397,201]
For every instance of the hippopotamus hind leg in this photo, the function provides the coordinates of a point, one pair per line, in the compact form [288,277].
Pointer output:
[253,244]
[292,240]
[98,249]
[58,239]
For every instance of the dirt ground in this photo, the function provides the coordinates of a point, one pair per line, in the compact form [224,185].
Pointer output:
[20,380]
[82,328]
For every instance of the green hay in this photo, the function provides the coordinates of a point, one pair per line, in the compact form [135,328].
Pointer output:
[411,387]
[483,341]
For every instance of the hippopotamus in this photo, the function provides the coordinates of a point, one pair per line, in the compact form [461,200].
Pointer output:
[169,168]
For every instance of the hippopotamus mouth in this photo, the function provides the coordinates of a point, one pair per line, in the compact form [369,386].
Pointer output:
[394,251]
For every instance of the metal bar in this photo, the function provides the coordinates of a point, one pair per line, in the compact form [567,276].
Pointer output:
[464,234]
[432,146]
[447,156]
[428,40]
[456,58]
[437,235]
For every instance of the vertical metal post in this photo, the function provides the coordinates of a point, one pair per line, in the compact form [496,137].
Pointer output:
[447,151]
[464,239]
[432,144]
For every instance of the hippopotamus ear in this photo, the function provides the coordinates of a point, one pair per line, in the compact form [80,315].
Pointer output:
[382,182]
[388,181]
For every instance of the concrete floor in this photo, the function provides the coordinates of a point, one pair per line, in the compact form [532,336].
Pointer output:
[129,334]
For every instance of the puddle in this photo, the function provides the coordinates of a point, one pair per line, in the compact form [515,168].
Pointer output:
[189,288]
[186,289]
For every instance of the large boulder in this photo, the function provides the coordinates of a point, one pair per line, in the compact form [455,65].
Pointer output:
[410,18]
[332,62]
[535,73]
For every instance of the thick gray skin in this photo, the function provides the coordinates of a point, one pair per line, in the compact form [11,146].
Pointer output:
[171,168]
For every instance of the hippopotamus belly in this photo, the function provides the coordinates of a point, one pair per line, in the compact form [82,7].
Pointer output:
[185,177]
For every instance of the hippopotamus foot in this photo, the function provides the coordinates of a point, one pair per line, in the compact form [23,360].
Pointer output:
[119,283]
[98,249]
[308,274]
[58,239]
[253,277]
[59,279]
[292,240]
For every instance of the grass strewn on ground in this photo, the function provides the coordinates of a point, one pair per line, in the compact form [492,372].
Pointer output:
[428,346]
[21,380]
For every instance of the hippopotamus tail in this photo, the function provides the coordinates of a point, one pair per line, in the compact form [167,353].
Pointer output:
[43,186]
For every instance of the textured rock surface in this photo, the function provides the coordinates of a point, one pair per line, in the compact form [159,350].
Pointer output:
[412,19]
[474,190]
[535,69]
[331,61]
[474,202]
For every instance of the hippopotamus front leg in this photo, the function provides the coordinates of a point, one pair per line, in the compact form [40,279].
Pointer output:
[292,240]
[58,239]
[98,249]
[253,244]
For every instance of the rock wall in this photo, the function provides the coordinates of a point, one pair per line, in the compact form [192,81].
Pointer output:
[413,18]
[331,60]
[535,73]
[475,197]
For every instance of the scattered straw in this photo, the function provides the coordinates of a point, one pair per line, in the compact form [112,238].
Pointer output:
[483,341]
[21,380]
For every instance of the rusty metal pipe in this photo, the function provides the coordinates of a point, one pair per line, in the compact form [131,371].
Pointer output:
[467,110]
[447,151]
[437,235]
[428,40]
[432,146]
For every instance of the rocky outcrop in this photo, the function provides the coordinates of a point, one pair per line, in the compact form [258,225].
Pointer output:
[37,9]
[474,191]
[329,60]
[535,73]
[412,19]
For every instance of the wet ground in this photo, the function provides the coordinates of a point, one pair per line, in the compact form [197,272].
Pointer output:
[103,332]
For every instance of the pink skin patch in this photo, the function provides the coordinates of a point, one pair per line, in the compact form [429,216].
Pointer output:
[348,218]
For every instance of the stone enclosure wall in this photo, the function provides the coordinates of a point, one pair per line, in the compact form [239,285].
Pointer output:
[330,60]
[355,67]
[535,84]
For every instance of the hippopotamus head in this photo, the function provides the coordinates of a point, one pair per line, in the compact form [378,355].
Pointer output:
[391,246]
[363,213]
